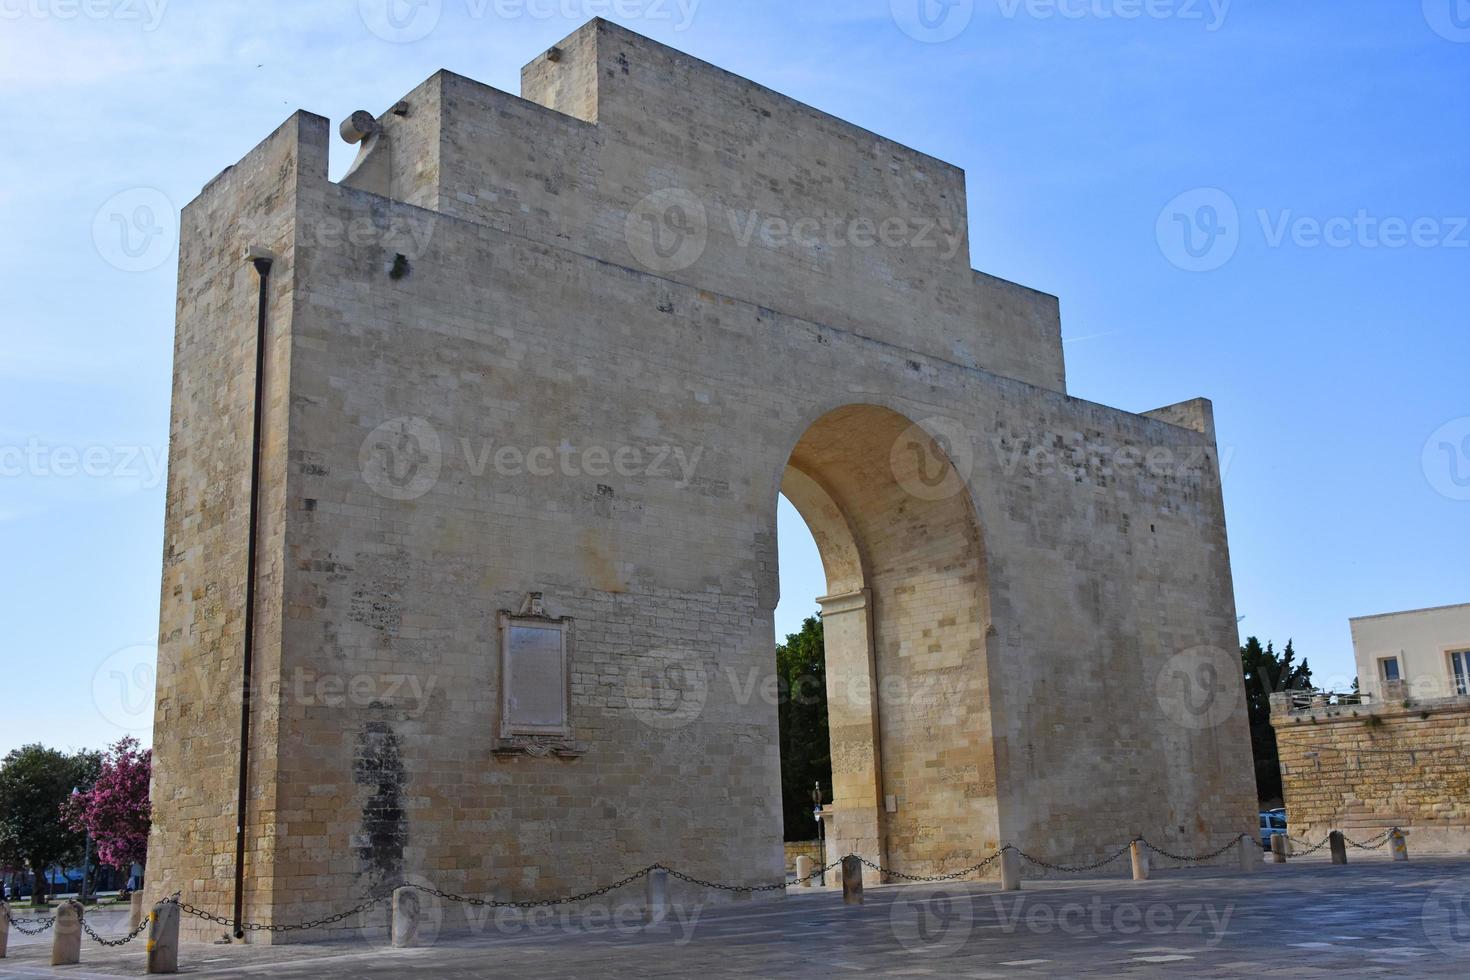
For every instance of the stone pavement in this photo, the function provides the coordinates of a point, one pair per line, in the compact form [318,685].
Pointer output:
[1303,919]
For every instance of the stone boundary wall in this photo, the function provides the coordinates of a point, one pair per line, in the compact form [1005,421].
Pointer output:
[1362,768]
[800,848]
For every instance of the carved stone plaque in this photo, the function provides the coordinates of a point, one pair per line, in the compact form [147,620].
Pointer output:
[533,677]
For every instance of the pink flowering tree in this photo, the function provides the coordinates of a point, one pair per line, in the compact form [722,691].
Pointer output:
[115,810]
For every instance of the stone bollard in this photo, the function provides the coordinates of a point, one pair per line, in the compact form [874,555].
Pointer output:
[66,935]
[1398,842]
[852,880]
[1140,860]
[1278,848]
[658,897]
[1337,844]
[1010,870]
[163,938]
[804,866]
[135,910]
[406,907]
[1250,853]
[4,928]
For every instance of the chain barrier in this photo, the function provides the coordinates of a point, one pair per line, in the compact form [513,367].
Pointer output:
[141,928]
[748,888]
[1373,843]
[804,878]
[931,878]
[1192,858]
[293,927]
[1070,869]
[536,904]
[1309,849]
[16,920]
[447,896]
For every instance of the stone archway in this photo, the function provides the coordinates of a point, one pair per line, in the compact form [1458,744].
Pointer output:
[905,612]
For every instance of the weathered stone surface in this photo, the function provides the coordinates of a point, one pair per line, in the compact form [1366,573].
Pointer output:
[406,911]
[66,935]
[1363,768]
[503,378]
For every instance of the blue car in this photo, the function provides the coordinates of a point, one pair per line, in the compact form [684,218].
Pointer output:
[1273,823]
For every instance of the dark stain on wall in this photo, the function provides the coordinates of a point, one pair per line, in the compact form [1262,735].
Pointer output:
[378,765]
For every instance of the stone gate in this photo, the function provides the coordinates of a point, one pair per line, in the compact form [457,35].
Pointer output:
[534,374]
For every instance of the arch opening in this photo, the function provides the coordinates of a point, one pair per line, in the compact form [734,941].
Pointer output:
[905,616]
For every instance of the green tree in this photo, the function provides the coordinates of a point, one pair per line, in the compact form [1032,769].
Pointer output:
[1267,673]
[35,783]
[806,752]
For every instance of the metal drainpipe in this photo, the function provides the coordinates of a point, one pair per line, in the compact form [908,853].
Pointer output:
[262,262]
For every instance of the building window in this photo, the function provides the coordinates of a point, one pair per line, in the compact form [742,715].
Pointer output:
[1460,668]
[534,677]
[1390,668]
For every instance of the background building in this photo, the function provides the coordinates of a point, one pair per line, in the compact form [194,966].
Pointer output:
[1425,652]
[1400,756]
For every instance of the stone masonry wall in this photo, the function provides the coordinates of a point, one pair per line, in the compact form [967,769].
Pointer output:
[1364,768]
[197,716]
[792,208]
[480,407]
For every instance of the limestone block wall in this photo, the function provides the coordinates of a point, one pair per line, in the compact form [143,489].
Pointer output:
[497,342]
[1364,768]
[487,400]
[791,208]
[807,848]
[197,716]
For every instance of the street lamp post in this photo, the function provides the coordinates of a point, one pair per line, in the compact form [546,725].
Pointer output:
[86,855]
[821,830]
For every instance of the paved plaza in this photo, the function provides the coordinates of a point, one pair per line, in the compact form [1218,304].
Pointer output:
[1304,919]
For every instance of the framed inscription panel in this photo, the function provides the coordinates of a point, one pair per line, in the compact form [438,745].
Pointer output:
[535,677]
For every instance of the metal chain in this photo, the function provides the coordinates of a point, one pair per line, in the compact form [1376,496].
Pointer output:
[744,888]
[545,902]
[114,942]
[16,920]
[719,886]
[1188,858]
[797,881]
[1373,843]
[293,927]
[947,877]
[1069,868]
[1309,848]
[138,931]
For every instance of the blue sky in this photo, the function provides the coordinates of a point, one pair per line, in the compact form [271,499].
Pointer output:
[1317,153]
